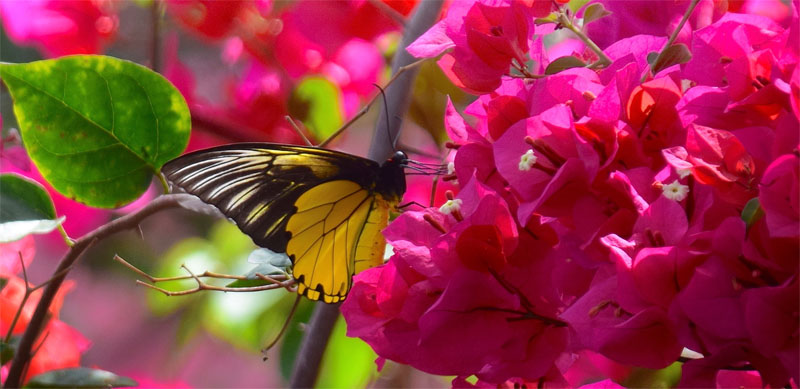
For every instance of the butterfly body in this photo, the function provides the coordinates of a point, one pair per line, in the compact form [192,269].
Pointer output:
[324,208]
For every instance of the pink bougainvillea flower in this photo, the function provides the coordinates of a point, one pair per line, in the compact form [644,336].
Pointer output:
[730,38]
[780,196]
[11,297]
[207,18]
[59,27]
[716,158]
[485,38]
[651,112]
[16,254]
[548,169]
[302,47]
[646,338]
[659,18]
[355,67]
[59,347]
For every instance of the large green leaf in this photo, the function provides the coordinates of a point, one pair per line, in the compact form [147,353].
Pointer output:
[97,127]
[25,208]
[79,377]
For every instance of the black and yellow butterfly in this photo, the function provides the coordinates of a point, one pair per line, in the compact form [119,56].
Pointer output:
[324,209]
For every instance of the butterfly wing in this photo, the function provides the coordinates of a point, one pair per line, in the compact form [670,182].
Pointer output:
[318,206]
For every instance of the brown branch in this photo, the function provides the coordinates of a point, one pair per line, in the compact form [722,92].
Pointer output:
[23,353]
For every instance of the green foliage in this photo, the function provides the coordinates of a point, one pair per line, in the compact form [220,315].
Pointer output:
[80,377]
[593,12]
[563,63]
[26,208]
[575,5]
[317,102]
[675,54]
[290,345]
[348,362]
[752,212]
[667,377]
[7,350]
[97,127]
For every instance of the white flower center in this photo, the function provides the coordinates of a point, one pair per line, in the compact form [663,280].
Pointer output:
[675,191]
[450,206]
[527,160]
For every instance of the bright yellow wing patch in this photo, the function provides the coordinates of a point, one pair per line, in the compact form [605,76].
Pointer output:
[334,231]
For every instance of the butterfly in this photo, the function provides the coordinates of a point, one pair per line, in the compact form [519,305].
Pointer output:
[325,209]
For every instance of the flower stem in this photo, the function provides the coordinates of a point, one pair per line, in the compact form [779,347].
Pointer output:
[565,21]
[673,36]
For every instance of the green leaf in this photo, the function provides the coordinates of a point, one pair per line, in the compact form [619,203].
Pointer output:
[317,102]
[26,208]
[593,12]
[563,63]
[79,377]
[290,345]
[97,127]
[7,350]
[575,5]
[545,20]
[651,57]
[673,55]
[348,362]
[752,212]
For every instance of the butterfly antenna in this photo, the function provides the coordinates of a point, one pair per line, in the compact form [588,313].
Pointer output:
[388,124]
[298,131]
[283,329]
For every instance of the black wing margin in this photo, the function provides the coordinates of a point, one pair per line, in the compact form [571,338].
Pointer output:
[256,184]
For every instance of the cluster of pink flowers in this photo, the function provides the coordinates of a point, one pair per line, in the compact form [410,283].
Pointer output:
[606,218]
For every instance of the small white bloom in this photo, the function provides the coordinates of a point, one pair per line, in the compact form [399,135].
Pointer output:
[450,206]
[682,173]
[527,161]
[675,191]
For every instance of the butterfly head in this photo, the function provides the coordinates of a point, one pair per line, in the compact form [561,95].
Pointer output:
[392,181]
[399,158]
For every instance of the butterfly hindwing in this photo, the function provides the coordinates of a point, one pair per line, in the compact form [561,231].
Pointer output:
[323,208]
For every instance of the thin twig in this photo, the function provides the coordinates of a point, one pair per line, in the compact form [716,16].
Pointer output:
[566,21]
[40,315]
[389,11]
[366,107]
[272,344]
[207,273]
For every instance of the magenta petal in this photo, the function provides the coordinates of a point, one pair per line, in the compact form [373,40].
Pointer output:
[645,339]
[432,43]
[458,330]
[770,317]
[780,196]
[711,302]
[666,217]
